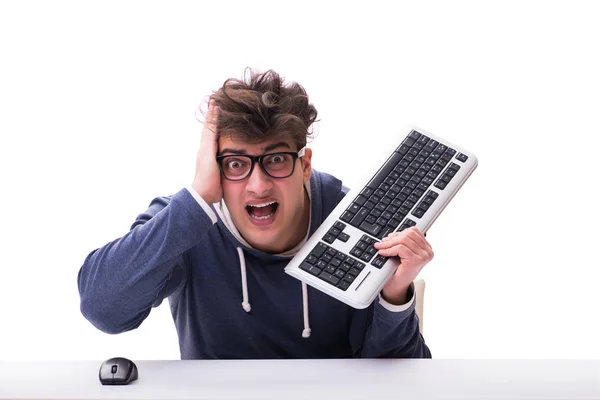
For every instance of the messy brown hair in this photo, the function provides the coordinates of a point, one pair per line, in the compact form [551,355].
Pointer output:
[262,106]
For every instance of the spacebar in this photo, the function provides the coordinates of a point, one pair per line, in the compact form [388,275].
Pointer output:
[385,170]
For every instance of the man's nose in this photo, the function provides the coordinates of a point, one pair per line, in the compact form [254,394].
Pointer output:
[259,182]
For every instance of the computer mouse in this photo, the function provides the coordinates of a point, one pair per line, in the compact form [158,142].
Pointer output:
[118,371]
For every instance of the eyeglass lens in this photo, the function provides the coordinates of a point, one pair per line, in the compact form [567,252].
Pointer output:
[278,165]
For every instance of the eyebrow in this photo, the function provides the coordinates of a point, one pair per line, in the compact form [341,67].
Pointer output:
[266,149]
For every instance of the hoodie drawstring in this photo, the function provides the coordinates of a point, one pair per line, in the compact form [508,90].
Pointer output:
[246,303]
[306,331]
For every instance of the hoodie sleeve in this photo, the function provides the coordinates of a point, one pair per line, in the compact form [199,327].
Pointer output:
[393,331]
[120,282]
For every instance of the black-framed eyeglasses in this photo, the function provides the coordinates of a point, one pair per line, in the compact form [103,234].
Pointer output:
[279,165]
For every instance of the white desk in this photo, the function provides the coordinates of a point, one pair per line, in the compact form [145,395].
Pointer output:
[306,379]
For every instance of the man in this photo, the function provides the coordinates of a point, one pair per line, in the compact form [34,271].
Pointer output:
[218,249]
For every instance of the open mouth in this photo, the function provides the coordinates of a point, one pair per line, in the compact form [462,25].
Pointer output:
[262,211]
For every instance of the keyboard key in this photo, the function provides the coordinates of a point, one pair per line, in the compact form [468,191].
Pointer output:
[339,225]
[427,181]
[368,239]
[453,166]
[359,217]
[440,184]
[319,249]
[344,237]
[423,140]
[354,208]
[327,277]
[379,261]
[372,218]
[419,212]
[343,285]
[431,145]
[339,274]
[441,148]
[347,216]
[311,269]
[384,170]
[389,180]
[367,192]
[381,221]
[356,252]
[445,158]
[462,157]
[409,141]
[360,200]
[328,238]
[345,266]
[406,224]
[369,205]
[366,257]
[386,231]
[372,229]
[402,149]
[414,135]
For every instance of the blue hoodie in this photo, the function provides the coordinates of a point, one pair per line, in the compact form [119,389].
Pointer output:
[179,249]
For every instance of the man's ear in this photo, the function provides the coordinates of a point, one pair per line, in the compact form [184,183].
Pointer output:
[306,164]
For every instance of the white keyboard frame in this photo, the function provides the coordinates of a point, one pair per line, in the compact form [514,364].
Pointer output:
[369,283]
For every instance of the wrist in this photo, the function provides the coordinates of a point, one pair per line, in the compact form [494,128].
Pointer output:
[396,294]
[203,193]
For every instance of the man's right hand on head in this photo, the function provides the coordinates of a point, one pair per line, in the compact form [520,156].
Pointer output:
[207,181]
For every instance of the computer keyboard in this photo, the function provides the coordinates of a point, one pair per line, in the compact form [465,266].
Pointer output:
[411,188]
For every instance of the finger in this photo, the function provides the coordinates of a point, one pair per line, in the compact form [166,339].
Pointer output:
[417,236]
[413,233]
[212,116]
[411,239]
[404,240]
[401,250]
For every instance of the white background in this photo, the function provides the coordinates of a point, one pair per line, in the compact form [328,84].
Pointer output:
[97,117]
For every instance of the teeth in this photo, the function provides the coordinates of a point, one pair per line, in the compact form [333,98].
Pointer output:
[263,217]
[262,205]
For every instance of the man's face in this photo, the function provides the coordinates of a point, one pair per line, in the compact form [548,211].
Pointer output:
[271,214]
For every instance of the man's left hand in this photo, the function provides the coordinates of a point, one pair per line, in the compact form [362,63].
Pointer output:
[414,251]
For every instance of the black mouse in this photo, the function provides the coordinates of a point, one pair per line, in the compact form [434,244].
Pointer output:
[118,371]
